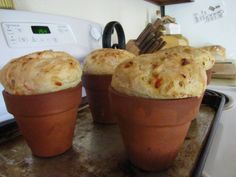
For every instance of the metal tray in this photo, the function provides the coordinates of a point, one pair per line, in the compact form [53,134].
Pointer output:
[98,150]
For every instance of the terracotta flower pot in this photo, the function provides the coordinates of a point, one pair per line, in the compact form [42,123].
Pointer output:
[96,87]
[209,73]
[153,130]
[46,121]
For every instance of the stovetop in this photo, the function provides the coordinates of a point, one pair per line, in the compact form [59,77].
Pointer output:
[221,161]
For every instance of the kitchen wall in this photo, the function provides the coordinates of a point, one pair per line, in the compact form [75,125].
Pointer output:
[132,14]
[202,30]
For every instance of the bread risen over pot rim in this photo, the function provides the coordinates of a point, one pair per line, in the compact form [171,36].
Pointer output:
[217,51]
[104,61]
[41,72]
[153,76]
[201,56]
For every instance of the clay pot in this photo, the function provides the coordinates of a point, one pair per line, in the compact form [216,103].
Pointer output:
[96,87]
[47,121]
[209,73]
[153,130]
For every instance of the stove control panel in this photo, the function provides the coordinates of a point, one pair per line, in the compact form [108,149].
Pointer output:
[20,35]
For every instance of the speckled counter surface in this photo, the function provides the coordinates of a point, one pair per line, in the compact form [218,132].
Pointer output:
[98,152]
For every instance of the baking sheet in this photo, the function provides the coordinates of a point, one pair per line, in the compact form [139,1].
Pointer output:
[98,152]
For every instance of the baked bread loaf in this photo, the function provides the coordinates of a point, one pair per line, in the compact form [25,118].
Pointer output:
[201,56]
[217,51]
[174,40]
[151,76]
[104,61]
[41,72]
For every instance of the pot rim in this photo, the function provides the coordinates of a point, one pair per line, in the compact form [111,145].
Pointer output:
[93,82]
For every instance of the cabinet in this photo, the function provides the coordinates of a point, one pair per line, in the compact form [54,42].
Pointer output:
[168,2]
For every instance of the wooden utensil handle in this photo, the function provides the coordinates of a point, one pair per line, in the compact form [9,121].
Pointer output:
[144,34]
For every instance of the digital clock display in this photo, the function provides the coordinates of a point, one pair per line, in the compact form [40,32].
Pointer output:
[40,30]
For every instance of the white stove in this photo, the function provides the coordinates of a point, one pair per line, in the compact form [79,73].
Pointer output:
[24,32]
[221,161]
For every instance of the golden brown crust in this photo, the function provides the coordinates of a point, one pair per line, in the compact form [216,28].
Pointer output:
[157,77]
[104,61]
[41,72]
[201,56]
[216,50]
